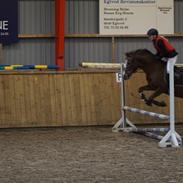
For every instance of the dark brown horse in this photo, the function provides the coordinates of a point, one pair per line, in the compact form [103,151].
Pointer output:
[156,75]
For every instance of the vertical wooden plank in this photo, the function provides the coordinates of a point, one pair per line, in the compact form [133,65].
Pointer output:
[20,99]
[62,95]
[96,101]
[2,101]
[86,112]
[31,94]
[11,97]
[44,100]
[7,89]
[37,105]
[91,97]
[107,92]
[82,94]
[59,98]
[27,97]
[53,98]
[68,101]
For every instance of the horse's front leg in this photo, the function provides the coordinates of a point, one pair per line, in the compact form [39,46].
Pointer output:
[151,98]
[141,89]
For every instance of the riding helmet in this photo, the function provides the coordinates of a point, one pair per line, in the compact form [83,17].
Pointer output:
[152,32]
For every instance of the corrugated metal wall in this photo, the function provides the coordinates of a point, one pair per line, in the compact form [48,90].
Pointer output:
[87,49]
[82,17]
[30,51]
[35,17]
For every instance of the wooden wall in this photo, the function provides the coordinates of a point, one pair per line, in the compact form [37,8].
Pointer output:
[58,99]
[70,99]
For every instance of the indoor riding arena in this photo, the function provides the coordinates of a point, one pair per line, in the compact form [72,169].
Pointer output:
[78,104]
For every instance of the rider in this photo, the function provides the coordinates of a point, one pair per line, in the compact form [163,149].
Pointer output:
[165,51]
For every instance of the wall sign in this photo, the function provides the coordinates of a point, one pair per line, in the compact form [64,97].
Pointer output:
[118,17]
[8,21]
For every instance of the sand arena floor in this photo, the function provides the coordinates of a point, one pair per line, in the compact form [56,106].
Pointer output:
[84,155]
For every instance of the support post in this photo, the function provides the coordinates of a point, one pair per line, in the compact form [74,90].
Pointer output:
[59,31]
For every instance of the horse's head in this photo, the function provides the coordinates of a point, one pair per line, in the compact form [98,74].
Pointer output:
[135,60]
[131,65]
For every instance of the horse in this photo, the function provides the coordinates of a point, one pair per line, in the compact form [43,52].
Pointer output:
[156,75]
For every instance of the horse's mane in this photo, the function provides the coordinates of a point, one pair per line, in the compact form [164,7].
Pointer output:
[142,53]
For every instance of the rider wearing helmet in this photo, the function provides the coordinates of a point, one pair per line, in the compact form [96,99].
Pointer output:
[165,51]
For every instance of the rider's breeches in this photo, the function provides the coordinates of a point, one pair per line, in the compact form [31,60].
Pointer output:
[170,63]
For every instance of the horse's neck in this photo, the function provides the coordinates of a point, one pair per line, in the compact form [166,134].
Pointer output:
[151,67]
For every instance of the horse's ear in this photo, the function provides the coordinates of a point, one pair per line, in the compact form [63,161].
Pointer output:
[128,54]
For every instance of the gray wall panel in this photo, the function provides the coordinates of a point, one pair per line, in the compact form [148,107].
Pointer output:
[82,16]
[36,16]
[87,49]
[178,12]
[28,51]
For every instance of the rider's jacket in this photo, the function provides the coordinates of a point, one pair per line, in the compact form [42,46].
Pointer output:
[164,48]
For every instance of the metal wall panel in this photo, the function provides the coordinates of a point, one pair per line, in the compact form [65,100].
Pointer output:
[178,12]
[82,16]
[36,16]
[30,51]
[87,49]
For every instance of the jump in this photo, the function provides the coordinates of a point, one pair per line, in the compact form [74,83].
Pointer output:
[156,75]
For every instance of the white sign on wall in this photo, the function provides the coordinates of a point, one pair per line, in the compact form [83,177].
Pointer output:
[118,17]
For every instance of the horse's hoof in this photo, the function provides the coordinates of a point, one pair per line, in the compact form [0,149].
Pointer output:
[148,102]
